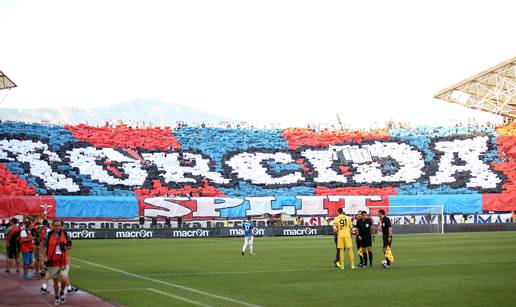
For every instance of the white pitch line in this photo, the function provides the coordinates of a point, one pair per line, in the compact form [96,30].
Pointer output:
[232,300]
[184,299]
[76,266]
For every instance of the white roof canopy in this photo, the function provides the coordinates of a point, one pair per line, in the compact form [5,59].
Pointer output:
[5,82]
[493,90]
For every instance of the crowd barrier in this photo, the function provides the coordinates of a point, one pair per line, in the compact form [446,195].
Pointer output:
[88,234]
[192,232]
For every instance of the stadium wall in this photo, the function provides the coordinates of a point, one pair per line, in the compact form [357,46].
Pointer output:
[91,172]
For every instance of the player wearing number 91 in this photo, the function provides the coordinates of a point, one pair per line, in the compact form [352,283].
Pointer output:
[248,236]
[342,225]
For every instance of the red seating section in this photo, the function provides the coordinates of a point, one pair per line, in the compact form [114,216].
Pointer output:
[355,191]
[297,137]
[11,184]
[205,190]
[125,137]
[507,151]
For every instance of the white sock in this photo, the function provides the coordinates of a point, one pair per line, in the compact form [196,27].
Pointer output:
[44,286]
[245,246]
[251,248]
[69,288]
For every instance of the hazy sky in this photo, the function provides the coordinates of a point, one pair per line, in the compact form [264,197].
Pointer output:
[283,61]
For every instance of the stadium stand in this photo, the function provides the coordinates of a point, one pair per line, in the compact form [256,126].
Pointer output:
[126,162]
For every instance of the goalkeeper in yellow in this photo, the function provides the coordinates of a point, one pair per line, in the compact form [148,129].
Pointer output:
[343,226]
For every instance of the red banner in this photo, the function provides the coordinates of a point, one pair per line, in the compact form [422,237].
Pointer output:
[499,202]
[27,205]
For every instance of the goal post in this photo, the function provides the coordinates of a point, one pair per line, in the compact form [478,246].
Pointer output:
[429,219]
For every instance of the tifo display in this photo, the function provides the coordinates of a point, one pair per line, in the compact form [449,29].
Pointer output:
[84,171]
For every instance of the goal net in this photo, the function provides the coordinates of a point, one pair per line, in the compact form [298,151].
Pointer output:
[411,219]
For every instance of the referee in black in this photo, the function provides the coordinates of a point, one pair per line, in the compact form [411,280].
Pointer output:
[386,233]
[365,237]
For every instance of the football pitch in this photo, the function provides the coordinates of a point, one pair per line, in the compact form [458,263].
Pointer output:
[431,270]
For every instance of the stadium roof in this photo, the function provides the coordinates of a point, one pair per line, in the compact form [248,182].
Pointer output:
[5,82]
[493,90]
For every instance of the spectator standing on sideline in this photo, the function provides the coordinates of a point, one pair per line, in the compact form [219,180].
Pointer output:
[44,273]
[40,232]
[26,247]
[35,250]
[12,244]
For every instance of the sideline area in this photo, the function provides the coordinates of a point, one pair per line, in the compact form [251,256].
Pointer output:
[19,292]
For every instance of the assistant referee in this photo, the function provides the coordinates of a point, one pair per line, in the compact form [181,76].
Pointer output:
[386,233]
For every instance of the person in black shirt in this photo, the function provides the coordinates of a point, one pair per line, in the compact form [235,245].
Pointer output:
[365,235]
[358,221]
[386,233]
[337,255]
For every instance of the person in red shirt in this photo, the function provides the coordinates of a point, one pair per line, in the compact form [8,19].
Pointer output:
[12,245]
[56,245]
[26,247]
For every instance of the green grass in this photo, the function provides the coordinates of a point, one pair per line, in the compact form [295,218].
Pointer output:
[430,270]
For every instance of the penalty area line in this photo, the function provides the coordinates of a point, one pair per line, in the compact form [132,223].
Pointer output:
[220,297]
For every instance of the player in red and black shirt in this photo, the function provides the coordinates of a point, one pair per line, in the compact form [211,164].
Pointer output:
[386,233]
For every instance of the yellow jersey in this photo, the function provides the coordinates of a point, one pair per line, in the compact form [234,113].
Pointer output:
[342,225]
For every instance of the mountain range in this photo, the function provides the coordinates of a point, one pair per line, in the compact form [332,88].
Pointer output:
[155,111]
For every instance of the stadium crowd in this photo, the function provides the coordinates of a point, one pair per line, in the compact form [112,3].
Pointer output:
[501,156]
